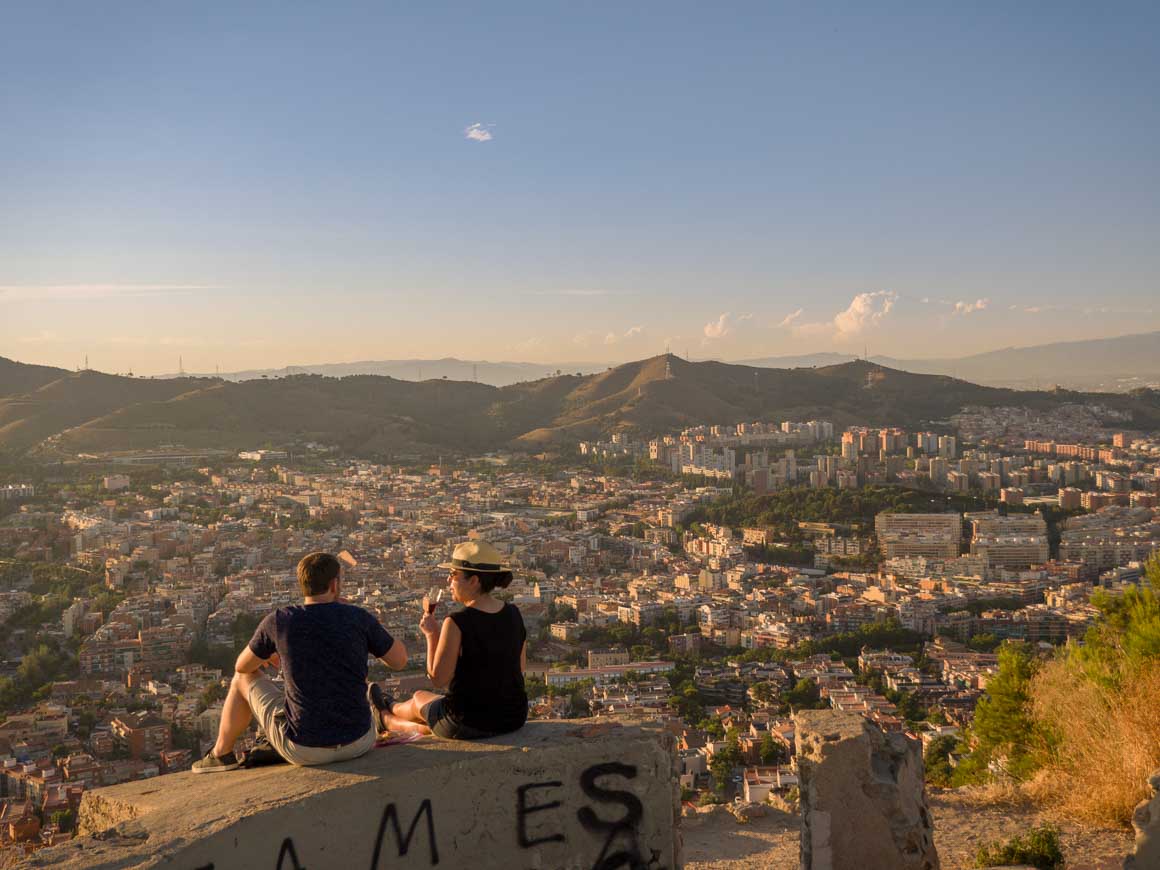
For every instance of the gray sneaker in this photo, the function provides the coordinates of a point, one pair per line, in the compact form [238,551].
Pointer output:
[381,701]
[214,764]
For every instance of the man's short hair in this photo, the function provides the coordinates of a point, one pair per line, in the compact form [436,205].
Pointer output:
[316,571]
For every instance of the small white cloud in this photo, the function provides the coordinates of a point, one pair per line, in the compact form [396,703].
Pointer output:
[971,307]
[789,319]
[744,317]
[631,332]
[529,345]
[718,328]
[478,132]
[925,300]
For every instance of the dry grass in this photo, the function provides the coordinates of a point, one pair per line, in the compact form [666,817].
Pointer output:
[1108,740]
[1006,793]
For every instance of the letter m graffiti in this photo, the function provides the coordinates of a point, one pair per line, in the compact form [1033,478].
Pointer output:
[391,818]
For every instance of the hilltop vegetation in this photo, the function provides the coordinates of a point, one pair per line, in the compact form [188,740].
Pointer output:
[52,411]
[1081,730]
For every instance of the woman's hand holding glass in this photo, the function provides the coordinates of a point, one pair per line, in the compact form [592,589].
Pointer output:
[429,624]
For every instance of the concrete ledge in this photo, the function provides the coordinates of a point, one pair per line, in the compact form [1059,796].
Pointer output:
[553,795]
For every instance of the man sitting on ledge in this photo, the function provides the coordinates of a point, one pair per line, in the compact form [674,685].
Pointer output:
[322,646]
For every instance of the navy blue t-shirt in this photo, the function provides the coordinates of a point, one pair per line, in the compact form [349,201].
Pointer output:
[324,649]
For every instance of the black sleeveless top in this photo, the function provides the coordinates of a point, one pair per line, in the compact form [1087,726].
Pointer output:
[487,689]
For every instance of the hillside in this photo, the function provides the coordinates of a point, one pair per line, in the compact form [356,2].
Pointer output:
[89,411]
[70,400]
[17,378]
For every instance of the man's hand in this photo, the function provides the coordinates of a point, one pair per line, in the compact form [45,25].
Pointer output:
[429,624]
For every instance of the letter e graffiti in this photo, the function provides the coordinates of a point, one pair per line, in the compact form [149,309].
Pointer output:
[523,810]
[391,816]
[625,828]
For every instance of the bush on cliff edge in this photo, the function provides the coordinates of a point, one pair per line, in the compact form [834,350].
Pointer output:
[1097,702]
[1081,730]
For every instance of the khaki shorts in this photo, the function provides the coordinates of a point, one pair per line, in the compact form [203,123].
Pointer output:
[269,707]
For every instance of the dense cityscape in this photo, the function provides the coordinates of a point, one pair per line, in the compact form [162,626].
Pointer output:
[710,581]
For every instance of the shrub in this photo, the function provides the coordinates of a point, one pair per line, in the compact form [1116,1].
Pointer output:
[1039,847]
[1003,736]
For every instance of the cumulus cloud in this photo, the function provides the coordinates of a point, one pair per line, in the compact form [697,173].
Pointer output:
[789,319]
[720,327]
[529,345]
[633,330]
[478,132]
[866,310]
[971,307]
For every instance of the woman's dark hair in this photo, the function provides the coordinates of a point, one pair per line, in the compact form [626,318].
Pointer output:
[490,580]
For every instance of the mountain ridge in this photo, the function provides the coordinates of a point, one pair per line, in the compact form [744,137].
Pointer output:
[367,414]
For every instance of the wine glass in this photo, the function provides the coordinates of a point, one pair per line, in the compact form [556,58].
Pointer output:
[432,598]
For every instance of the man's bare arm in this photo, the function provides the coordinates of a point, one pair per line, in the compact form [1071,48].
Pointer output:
[248,663]
[396,657]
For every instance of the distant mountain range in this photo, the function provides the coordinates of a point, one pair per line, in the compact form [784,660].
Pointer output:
[498,374]
[53,412]
[1104,364]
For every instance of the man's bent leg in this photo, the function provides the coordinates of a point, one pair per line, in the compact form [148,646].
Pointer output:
[236,713]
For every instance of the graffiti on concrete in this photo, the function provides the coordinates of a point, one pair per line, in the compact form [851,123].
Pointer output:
[620,837]
[612,816]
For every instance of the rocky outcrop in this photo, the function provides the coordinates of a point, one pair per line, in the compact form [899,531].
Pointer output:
[550,795]
[863,802]
[1146,821]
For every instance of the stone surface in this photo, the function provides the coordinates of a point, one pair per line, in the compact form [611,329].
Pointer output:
[549,796]
[746,812]
[1146,822]
[863,802]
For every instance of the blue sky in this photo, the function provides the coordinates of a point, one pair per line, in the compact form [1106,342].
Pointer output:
[261,184]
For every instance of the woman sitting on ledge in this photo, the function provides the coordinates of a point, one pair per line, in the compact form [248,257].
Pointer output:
[478,655]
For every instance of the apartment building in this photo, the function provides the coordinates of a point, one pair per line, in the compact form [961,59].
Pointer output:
[935,536]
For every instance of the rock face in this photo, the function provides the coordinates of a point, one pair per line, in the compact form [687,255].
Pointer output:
[863,802]
[1146,821]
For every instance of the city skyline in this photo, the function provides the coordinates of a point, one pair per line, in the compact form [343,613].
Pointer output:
[262,187]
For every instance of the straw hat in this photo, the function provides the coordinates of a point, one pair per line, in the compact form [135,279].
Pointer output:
[476,557]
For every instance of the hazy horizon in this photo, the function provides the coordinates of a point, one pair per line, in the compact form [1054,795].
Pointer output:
[258,187]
